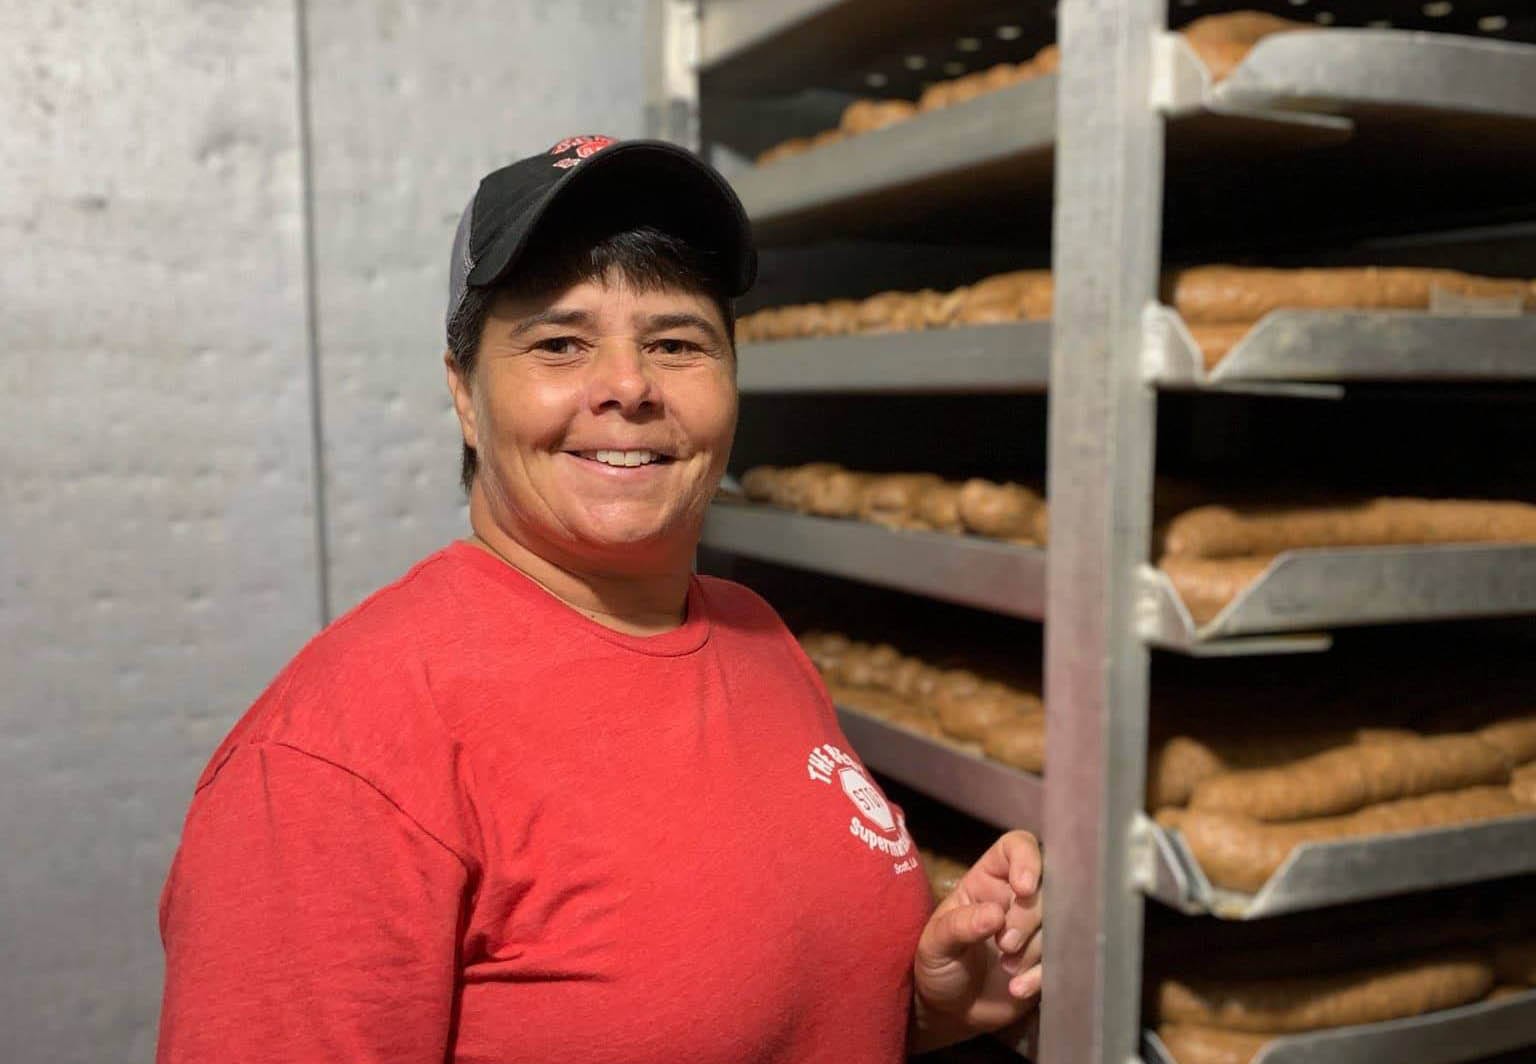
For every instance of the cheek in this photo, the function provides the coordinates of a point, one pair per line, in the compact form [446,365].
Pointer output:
[528,415]
[711,415]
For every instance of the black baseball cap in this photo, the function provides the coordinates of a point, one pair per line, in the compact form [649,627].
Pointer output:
[587,177]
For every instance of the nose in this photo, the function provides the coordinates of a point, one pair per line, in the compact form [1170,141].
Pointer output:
[621,381]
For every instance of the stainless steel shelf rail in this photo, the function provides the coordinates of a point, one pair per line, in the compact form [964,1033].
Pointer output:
[964,360]
[1317,875]
[971,571]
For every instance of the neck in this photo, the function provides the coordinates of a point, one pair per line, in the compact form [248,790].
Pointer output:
[633,603]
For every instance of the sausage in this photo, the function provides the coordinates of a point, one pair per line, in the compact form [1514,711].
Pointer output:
[866,116]
[1241,853]
[1178,763]
[1218,531]
[890,499]
[1315,1002]
[974,714]
[1019,742]
[1208,585]
[1352,777]
[1522,784]
[1192,1044]
[938,507]
[1004,511]
[1205,294]
[1217,339]
[1515,736]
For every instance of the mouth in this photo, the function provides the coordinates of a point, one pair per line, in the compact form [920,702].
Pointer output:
[617,459]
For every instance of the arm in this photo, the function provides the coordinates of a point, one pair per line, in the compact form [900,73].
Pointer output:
[306,917]
[977,966]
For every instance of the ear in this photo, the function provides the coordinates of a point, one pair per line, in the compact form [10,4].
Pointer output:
[463,401]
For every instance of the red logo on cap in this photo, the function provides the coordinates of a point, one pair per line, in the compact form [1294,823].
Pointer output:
[583,146]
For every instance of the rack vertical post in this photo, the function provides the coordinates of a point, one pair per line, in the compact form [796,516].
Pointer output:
[1105,254]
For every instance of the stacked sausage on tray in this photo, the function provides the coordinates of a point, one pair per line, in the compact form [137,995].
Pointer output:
[1243,787]
[1220,304]
[1214,1000]
[903,501]
[1221,42]
[1243,801]
[1341,970]
[987,714]
[1210,552]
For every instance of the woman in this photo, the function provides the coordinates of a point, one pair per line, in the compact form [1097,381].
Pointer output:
[550,796]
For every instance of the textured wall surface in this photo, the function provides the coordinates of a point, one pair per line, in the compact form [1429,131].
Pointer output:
[411,103]
[157,559]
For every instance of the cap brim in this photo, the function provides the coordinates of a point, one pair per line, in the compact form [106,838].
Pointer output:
[664,185]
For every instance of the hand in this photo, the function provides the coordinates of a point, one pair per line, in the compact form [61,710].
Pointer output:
[977,966]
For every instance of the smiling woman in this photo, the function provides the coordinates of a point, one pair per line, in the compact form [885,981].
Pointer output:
[551,796]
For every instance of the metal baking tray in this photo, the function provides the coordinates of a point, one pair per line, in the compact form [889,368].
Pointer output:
[1314,352]
[968,570]
[1450,1036]
[990,791]
[1340,71]
[1310,591]
[963,359]
[1330,873]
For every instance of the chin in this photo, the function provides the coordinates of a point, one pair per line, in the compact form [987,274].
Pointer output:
[641,540]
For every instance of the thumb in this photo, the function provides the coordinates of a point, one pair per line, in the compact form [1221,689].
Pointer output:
[951,934]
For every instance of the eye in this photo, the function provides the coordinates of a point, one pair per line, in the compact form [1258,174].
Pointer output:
[559,345]
[672,345]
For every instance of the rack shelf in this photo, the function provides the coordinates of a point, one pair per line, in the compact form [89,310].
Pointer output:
[1322,874]
[1325,348]
[1450,1036]
[998,141]
[981,573]
[976,358]
[992,156]
[1302,352]
[1306,591]
[991,792]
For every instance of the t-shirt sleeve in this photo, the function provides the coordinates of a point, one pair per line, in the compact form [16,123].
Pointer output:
[306,917]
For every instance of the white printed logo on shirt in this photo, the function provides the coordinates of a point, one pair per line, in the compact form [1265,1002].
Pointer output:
[888,835]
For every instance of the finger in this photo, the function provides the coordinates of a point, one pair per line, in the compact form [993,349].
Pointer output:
[1023,920]
[1015,859]
[949,935]
[1011,866]
[1027,983]
[1031,955]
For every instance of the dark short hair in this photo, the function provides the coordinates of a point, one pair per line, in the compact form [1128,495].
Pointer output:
[643,255]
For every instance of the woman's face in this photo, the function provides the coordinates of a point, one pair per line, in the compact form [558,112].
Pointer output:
[602,417]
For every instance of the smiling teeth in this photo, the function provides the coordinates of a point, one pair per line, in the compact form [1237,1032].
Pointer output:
[625,458]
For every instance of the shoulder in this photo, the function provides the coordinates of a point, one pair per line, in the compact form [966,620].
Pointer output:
[728,599]
[359,694]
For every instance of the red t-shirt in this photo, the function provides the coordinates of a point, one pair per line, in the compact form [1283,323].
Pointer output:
[468,824]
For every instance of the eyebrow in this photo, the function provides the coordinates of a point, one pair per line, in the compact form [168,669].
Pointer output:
[653,323]
[553,316]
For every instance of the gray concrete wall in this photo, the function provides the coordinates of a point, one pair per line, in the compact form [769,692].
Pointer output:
[411,104]
[159,553]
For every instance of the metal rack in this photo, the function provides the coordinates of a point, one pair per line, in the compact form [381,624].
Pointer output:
[983,573]
[1094,156]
